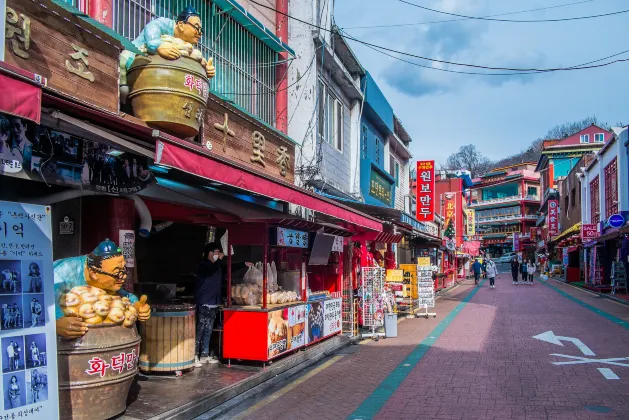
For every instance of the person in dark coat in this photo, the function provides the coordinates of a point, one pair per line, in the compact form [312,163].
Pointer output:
[476,268]
[515,269]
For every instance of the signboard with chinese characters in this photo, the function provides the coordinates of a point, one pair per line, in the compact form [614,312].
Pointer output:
[471,222]
[337,246]
[60,158]
[589,232]
[516,241]
[450,211]
[553,217]
[77,59]
[292,238]
[380,188]
[28,336]
[231,135]
[425,190]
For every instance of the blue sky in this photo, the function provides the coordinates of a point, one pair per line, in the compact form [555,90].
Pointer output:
[500,115]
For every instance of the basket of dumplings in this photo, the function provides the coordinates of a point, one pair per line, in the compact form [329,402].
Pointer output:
[95,306]
[250,291]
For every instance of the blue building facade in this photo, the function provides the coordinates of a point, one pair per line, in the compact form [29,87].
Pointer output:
[377,185]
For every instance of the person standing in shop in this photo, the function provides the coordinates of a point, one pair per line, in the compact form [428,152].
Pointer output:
[491,271]
[209,278]
[515,269]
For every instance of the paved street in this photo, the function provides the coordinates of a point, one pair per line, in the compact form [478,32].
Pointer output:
[477,360]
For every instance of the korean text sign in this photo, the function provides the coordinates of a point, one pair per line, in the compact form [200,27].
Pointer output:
[425,190]
[27,331]
[292,238]
[553,217]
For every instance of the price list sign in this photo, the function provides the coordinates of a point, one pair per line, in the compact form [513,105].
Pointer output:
[28,339]
[425,190]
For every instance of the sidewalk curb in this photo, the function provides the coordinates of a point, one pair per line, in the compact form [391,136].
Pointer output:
[599,294]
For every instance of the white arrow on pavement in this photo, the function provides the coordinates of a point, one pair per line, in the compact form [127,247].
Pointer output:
[550,337]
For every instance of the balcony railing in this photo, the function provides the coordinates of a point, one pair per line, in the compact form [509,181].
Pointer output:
[505,218]
[505,200]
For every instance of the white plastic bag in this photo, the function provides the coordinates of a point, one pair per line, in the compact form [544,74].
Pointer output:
[249,275]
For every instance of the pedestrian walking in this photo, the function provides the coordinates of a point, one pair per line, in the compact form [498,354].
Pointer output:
[515,269]
[491,270]
[476,268]
[531,268]
[484,264]
[523,270]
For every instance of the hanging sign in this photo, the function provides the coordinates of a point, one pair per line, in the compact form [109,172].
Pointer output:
[450,212]
[66,227]
[28,336]
[516,241]
[553,217]
[471,222]
[589,232]
[425,191]
[337,246]
[616,221]
[292,238]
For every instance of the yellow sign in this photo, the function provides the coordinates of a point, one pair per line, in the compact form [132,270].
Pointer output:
[471,222]
[423,261]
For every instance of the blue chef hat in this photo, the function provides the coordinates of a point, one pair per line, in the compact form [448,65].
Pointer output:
[187,13]
[106,249]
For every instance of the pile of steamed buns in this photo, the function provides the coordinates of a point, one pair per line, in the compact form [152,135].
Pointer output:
[95,306]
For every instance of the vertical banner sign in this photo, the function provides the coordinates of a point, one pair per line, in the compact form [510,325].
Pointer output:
[589,232]
[28,337]
[471,222]
[533,233]
[425,190]
[516,241]
[553,217]
[126,242]
[450,210]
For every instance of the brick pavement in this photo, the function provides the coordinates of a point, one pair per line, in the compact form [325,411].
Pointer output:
[485,365]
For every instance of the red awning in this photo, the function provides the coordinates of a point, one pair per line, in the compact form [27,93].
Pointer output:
[198,164]
[21,93]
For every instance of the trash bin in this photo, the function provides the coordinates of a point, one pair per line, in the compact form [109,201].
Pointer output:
[390,325]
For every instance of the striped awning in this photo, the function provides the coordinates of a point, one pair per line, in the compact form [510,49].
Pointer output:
[567,233]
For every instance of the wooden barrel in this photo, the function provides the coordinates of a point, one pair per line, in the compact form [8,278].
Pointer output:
[168,338]
[96,372]
[170,95]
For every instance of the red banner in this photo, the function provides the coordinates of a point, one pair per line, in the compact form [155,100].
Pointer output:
[553,217]
[425,190]
[450,210]
[589,232]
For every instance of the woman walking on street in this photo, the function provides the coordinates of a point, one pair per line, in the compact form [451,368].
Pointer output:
[515,269]
[491,272]
[531,268]
[523,270]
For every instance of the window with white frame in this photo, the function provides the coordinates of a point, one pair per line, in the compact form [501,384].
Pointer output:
[394,169]
[585,138]
[330,117]
[599,137]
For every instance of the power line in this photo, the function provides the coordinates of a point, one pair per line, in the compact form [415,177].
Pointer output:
[511,20]
[512,69]
[462,19]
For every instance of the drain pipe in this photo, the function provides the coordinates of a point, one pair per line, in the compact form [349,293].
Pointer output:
[161,226]
[146,221]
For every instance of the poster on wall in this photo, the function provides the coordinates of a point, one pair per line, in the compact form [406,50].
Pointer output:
[27,313]
[32,151]
[425,190]
[286,330]
[331,317]
[126,242]
[314,322]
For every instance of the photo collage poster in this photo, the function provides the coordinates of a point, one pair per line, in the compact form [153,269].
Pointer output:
[28,342]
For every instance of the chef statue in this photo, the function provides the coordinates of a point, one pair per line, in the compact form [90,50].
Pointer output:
[88,291]
[168,38]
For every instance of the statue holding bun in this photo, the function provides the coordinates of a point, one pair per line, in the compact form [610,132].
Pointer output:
[88,291]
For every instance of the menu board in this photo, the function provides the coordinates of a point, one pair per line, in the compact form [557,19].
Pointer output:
[331,317]
[286,330]
[28,339]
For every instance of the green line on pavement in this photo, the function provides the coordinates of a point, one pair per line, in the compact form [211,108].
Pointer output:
[372,405]
[604,314]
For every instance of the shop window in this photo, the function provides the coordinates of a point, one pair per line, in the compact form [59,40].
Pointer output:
[377,156]
[364,142]
[531,191]
[330,112]
[595,207]
[611,188]
[566,204]
[394,169]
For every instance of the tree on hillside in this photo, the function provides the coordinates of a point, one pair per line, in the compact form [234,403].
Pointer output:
[561,131]
[469,158]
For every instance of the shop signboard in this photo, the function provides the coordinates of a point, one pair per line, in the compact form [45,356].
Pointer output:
[380,188]
[292,238]
[126,242]
[331,317]
[450,212]
[471,222]
[286,330]
[553,217]
[565,257]
[29,377]
[77,59]
[516,241]
[589,232]
[423,261]
[55,157]
[425,190]
[616,221]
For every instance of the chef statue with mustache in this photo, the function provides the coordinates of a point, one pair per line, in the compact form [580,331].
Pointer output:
[104,268]
[187,27]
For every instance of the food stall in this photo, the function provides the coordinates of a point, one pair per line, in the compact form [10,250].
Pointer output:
[300,273]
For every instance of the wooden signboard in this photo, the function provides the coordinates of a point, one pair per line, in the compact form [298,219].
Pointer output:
[230,135]
[76,58]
